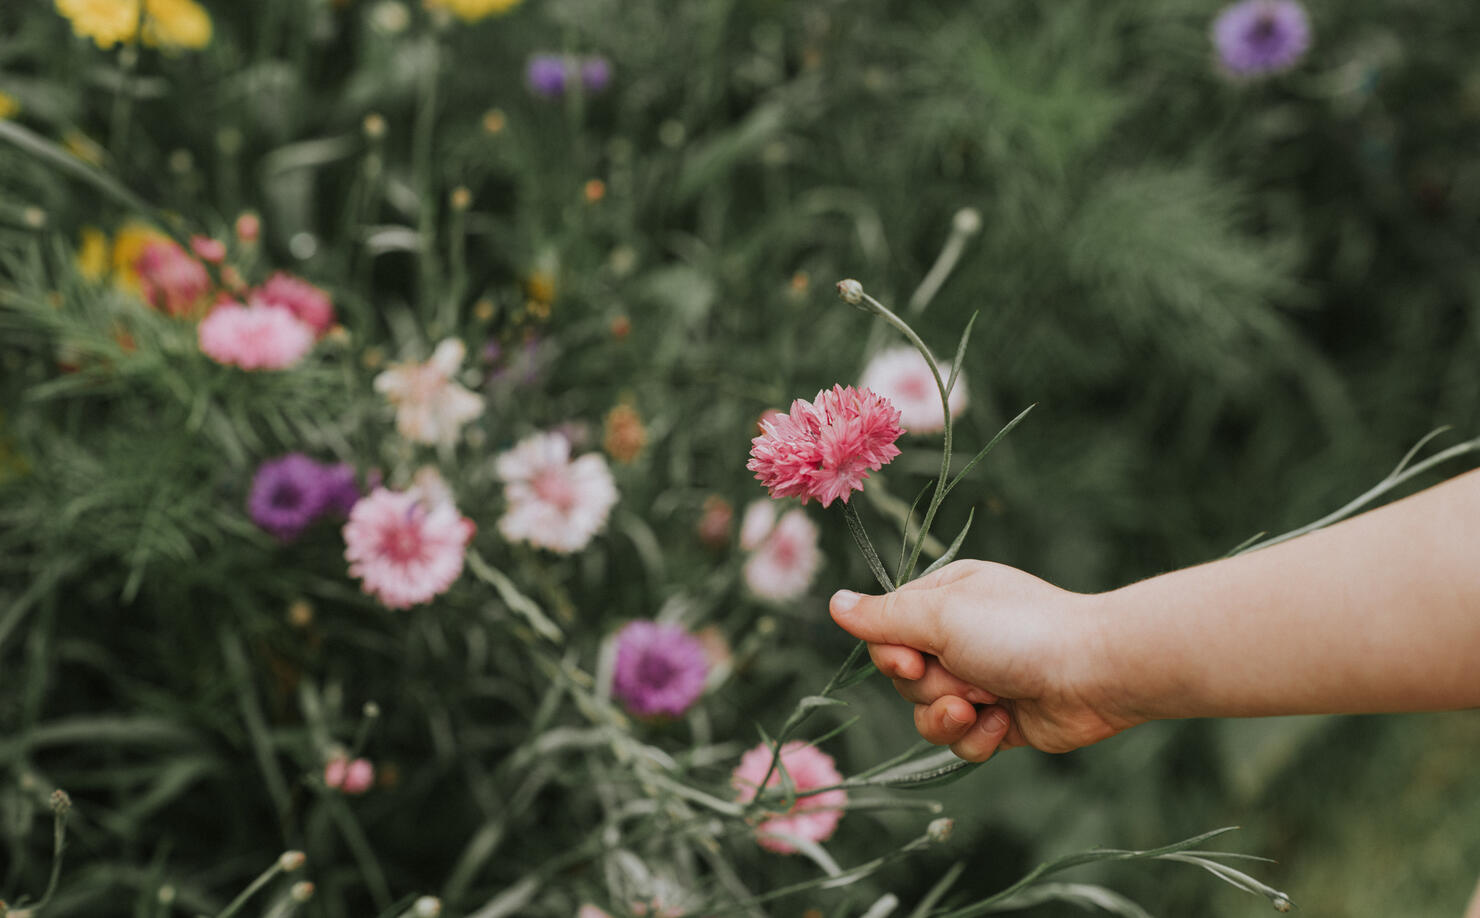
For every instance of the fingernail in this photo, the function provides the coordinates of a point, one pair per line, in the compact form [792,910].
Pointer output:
[953,722]
[844,600]
[999,720]
[977,696]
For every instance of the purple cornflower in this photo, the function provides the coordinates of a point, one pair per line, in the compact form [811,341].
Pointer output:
[290,492]
[1256,37]
[546,74]
[660,670]
[596,73]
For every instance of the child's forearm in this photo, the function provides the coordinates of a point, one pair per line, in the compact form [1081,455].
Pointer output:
[1377,613]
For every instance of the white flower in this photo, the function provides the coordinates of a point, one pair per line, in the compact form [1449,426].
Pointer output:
[784,556]
[554,502]
[430,407]
[902,376]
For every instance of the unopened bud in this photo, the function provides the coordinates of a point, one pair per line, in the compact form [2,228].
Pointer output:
[371,710]
[494,121]
[374,126]
[968,221]
[248,227]
[851,291]
[61,804]
[427,907]
[35,217]
[940,829]
[291,861]
[461,198]
[1281,904]
[166,894]
[301,892]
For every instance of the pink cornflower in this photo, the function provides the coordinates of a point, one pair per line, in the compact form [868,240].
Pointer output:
[825,448]
[254,337]
[554,502]
[350,777]
[813,817]
[430,406]
[404,547]
[903,377]
[170,279]
[784,554]
[302,299]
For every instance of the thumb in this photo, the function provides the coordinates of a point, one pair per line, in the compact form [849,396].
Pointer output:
[907,617]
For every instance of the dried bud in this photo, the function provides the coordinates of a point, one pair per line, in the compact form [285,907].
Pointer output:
[851,291]
[374,126]
[940,829]
[494,121]
[968,221]
[427,907]
[290,861]
[300,613]
[61,804]
[621,327]
[301,892]
[1281,904]
[483,310]
[594,190]
[461,198]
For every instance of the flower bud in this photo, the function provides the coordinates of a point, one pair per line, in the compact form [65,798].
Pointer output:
[851,291]
[290,861]
[374,126]
[371,710]
[1281,904]
[61,804]
[248,227]
[968,221]
[461,198]
[427,907]
[35,217]
[166,894]
[301,892]
[940,829]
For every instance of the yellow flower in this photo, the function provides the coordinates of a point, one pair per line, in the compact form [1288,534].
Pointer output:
[8,106]
[92,255]
[128,245]
[177,24]
[167,23]
[473,10]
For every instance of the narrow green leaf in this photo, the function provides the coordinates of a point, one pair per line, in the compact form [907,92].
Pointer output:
[950,553]
[855,526]
[961,353]
[988,448]
[513,598]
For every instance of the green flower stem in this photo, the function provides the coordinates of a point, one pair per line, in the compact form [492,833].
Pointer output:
[423,137]
[262,880]
[907,571]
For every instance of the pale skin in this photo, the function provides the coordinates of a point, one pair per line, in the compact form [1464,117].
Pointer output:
[1378,613]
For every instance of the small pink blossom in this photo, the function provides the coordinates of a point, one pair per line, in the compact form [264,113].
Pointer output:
[302,299]
[254,337]
[208,249]
[784,554]
[554,502]
[824,449]
[349,776]
[813,817]
[430,406]
[903,377]
[248,227]
[170,279]
[405,548]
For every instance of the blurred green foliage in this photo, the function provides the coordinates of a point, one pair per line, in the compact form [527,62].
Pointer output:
[1235,305]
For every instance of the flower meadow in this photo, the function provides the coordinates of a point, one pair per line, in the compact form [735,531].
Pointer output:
[430,431]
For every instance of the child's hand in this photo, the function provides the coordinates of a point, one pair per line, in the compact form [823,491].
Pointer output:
[981,633]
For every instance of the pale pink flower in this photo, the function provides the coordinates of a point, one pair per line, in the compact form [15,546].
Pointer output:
[302,299]
[554,502]
[588,910]
[430,406]
[349,776]
[813,817]
[784,554]
[248,227]
[824,449]
[901,375]
[254,337]
[404,548]
[170,279]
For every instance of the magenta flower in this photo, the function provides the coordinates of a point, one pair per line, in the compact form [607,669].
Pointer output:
[813,817]
[660,669]
[825,448]
[305,301]
[349,776]
[405,547]
[290,492]
[1256,37]
[170,279]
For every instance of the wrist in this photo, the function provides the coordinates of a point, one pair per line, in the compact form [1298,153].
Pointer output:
[1133,670]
